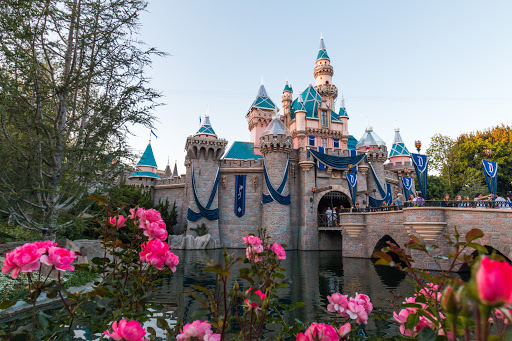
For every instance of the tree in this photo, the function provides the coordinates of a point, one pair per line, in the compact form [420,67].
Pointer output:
[71,83]
[469,151]
[438,187]
[440,156]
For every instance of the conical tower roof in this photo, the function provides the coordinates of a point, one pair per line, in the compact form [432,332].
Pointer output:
[168,169]
[288,87]
[322,52]
[175,172]
[370,138]
[206,127]
[147,159]
[276,127]
[343,110]
[398,148]
[262,100]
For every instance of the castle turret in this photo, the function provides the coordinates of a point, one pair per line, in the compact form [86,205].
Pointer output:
[259,116]
[146,173]
[399,152]
[204,151]
[168,169]
[300,123]
[286,100]
[323,76]
[276,145]
[175,172]
[376,153]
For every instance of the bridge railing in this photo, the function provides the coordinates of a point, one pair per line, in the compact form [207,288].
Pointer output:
[458,203]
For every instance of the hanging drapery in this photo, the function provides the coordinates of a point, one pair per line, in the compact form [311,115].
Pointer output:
[276,195]
[204,211]
[420,163]
[491,175]
[407,185]
[382,192]
[240,195]
[388,198]
[321,166]
[352,185]
[336,162]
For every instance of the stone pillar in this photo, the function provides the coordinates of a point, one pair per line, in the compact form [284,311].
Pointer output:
[276,217]
[204,155]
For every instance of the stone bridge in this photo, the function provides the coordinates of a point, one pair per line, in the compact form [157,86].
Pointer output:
[360,234]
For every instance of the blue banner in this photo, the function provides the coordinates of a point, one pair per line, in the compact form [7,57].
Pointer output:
[352,186]
[388,198]
[311,140]
[204,211]
[240,195]
[276,195]
[321,166]
[491,175]
[407,186]
[420,162]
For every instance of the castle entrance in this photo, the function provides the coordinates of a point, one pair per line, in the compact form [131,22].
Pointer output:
[331,199]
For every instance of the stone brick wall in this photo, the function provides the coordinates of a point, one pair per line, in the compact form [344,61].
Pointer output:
[496,225]
[276,217]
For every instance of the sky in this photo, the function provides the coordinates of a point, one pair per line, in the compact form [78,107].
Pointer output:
[427,66]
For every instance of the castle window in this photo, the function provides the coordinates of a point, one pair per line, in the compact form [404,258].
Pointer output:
[324,143]
[311,140]
[336,143]
[324,118]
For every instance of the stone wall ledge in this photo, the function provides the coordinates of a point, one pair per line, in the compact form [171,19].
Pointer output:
[182,185]
[241,170]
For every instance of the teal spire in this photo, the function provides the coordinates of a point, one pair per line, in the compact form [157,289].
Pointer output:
[206,127]
[147,159]
[398,148]
[343,110]
[288,87]
[262,100]
[322,52]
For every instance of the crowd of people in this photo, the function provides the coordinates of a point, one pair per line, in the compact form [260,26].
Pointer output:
[480,201]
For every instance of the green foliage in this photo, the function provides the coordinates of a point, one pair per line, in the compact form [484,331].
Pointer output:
[459,161]
[200,230]
[10,233]
[170,218]
[438,187]
[72,79]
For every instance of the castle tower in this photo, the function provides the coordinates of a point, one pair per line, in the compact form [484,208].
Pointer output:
[276,145]
[399,152]
[168,169]
[376,152]
[286,100]
[259,116]
[175,172]
[300,124]
[323,76]
[204,151]
[146,169]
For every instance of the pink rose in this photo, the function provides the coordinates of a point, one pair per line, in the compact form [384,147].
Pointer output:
[22,259]
[337,303]
[118,222]
[60,258]
[279,251]
[357,312]
[252,253]
[156,230]
[126,331]
[171,260]
[197,330]
[344,330]
[156,253]
[253,304]
[364,301]
[493,280]
[152,215]
[252,240]
[133,213]
[44,246]
[319,331]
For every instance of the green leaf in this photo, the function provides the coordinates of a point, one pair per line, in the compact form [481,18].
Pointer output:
[474,234]
[481,249]
[7,304]
[42,317]
[427,334]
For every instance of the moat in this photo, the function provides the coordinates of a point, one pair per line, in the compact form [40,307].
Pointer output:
[313,275]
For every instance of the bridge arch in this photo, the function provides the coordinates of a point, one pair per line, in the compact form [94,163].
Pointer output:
[465,268]
[390,277]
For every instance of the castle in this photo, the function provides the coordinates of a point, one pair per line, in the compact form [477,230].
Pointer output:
[297,163]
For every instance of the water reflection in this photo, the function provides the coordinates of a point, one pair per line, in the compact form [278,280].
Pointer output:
[313,276]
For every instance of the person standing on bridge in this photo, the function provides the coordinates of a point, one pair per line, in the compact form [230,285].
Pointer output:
[328,214]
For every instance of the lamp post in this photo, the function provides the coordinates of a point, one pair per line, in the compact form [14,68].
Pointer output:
[417,144]
[488,152]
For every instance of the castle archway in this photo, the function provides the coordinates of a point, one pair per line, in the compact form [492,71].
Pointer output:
[331,200]
[390,277]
